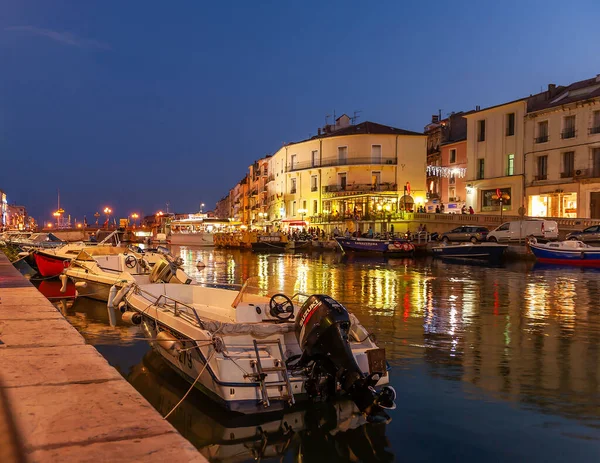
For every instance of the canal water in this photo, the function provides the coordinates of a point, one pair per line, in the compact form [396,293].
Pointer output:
[489,363]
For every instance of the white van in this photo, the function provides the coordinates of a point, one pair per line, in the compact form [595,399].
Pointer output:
[518,230]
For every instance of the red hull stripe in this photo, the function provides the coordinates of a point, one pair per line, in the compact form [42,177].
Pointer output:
[576,262]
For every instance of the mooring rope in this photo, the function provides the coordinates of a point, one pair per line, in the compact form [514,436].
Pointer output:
[192,386]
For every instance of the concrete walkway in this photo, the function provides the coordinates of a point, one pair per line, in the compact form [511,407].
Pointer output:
[69,404]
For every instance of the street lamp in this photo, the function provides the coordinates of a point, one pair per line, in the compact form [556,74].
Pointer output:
[97,214]
[501,198]
[107,211]
[302,212]
[202,207]
[134,216]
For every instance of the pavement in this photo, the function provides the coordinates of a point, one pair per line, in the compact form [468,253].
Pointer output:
[66,402]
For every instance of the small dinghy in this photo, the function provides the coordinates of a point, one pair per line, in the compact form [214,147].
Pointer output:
[252,351]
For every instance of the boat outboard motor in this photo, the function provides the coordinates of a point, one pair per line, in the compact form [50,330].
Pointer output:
[322,328]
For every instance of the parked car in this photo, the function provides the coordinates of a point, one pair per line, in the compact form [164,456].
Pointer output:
[586,235]
[465,233]
[521,229]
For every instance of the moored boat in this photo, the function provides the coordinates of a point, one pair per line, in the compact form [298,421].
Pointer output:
[483,251]
[378,246]
[252,353]
[569,252]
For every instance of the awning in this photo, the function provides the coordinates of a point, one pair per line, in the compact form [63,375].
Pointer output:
[295,222]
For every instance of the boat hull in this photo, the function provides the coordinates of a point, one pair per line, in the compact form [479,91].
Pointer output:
[375,246]
[471,251]
[50,266]
[193,239]
[575,257]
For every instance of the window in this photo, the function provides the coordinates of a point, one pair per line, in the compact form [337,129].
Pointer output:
[342,181]
[510,124]
[376,154]
[542,168]
[293,208]
[293,186]
[568,159]
[452,179]
[596,162]
[490,201]
[510,164]
[481,130]
[595,122]
[452,156]
[568,127]
[304,204]
[313,183]
[480,168]
[452,194]
[292,161]
[315,207]
[315,158]
[542,132]
[342,154]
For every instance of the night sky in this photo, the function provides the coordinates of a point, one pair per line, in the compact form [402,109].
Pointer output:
[133,104]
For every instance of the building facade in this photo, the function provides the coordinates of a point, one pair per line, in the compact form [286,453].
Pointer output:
[495,159]
[16,217]
[3,209]
[363,172]
[562,148]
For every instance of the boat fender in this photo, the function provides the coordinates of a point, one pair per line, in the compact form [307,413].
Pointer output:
[81,284]
[111,296]
[63,279]
[168,342]
[122,306]
[119,295]
[133,318]
[218,343]
[200,264]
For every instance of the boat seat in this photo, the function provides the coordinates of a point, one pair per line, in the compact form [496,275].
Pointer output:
[258,330]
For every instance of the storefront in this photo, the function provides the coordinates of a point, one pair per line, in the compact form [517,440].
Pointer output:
[557,204]
[491,201]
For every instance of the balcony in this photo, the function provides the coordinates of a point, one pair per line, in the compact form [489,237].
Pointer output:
[568,133]
[254,192]
[594,130]
[271,178]
[541,139]
[540,177]
[566,174]
[432,195]
[314,188]
[358,188]
[332,162]
[433,150]
[293,190]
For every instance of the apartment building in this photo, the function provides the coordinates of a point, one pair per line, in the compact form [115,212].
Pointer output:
[562,149]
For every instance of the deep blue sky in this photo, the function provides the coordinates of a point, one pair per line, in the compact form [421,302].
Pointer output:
[133,104]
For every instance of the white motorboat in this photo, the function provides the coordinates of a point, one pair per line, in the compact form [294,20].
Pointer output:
[251,352]
[102,267]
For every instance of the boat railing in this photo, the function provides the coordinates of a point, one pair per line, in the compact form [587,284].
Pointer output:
[178,308]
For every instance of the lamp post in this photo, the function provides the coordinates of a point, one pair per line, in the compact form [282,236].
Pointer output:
[107,211]
[97,214]
[134,216]
[202,207]
[302,212]
[501,198]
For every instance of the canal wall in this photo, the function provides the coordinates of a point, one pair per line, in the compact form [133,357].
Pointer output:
[68,403]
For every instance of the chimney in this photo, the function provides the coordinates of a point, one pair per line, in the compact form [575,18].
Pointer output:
[319,131]
[435,119]
[551,87]
[477,108]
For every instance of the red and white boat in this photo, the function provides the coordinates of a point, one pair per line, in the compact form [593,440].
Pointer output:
[52,262]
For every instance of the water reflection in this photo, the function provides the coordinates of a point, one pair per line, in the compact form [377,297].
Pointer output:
[485,338]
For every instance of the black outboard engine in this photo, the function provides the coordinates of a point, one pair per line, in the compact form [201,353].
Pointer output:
[322,327]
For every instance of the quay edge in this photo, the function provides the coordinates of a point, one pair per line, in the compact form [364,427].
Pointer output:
[68,403]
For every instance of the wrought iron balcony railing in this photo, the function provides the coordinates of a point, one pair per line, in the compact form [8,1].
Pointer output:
[594,130]
[359,187]
[332,162]
[541,139]
[568,133]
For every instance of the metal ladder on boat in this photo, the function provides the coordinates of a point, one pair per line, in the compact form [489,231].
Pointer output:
[261,374]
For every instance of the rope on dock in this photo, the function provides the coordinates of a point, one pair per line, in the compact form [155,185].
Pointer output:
[192,386]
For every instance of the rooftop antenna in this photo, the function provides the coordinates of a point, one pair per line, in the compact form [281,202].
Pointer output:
[327,116]
[439,114]
[168,204]
[58,198]
[356,116]
[334,119]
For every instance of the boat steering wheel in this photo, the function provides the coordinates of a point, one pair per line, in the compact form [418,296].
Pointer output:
[130,262]
[280,305]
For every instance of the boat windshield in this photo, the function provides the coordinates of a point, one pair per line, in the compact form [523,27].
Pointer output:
[258,289]
[88,253]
